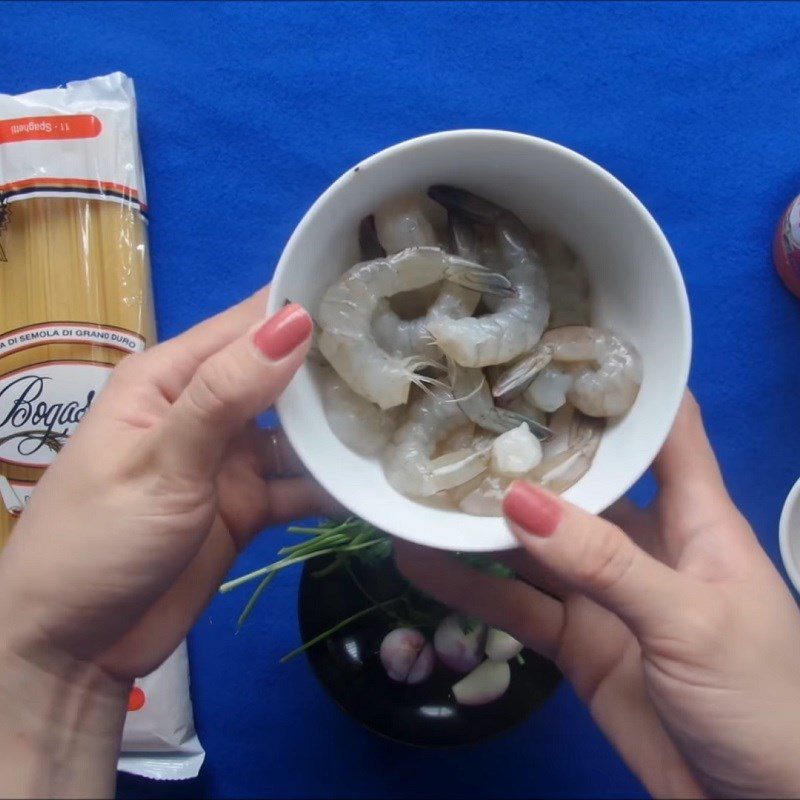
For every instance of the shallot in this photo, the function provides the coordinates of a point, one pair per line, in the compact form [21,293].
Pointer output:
[459,643]
[407,656]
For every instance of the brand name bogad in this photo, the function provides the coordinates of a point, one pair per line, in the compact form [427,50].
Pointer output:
[27,409]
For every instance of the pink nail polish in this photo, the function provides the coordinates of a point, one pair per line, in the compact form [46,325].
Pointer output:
[532,508]
[283,332]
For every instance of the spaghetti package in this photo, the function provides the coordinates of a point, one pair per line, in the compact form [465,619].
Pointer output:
[75,298]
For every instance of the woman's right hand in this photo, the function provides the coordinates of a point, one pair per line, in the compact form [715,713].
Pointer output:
[680,636]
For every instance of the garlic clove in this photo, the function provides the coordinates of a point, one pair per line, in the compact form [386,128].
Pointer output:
[485,683]
[501,646]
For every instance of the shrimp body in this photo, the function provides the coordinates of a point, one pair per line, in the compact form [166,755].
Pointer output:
[567,280]
[408,460]
[356,422]
[602,376]
[516,323]
[347,308]
[549,388]
[608,384]
[400,224]
[474,397]
[483,496]
[567,456]
[569,452]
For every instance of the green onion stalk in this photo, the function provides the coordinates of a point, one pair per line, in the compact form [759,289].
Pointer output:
[351,543]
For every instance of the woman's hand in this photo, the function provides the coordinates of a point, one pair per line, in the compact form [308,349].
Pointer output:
[681,636]
[133,527]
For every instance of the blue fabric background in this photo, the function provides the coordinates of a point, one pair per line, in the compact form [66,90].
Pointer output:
[248,111]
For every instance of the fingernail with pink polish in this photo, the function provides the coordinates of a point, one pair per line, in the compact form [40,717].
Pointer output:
[532,509]
[283,332]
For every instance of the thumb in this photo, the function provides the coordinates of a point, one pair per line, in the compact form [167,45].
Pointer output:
[231,387]
[596,558]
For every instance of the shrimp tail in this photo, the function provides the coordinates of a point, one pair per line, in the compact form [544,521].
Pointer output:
[516,379]
[585,431]
[478,278]
[478,209]
[463,239]
[456,468]
[368,241]
[514,419]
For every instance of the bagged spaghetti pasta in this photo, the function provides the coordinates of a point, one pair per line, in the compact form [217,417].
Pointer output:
[75,298]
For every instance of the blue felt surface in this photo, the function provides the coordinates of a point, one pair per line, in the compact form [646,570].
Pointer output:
[247,112]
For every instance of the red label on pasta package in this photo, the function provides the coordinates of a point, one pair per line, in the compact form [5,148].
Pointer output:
[78,140]
[67,126]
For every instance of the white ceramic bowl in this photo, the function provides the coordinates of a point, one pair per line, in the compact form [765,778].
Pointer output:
[789,535]
[637,291]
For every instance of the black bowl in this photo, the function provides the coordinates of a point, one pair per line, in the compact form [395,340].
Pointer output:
[349,668]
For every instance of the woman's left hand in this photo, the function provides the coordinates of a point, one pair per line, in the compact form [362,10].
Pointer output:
[129,533]
[167,479]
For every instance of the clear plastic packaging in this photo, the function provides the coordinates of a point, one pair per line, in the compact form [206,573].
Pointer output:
[76,298]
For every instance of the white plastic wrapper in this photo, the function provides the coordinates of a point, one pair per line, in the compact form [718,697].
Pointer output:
[159,740]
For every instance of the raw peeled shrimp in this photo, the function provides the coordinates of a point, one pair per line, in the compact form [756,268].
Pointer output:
[356,422]
[607,388]
[569,453]
[516,452]
[393,317]
[549,388]
[402,222]
[408,462]
[347,308]
[474,397]
[522,406]
[566,459]
[460,439]
[568,282]
[482,496]
[406,305]
[399,224]
[456,301]
[516,323]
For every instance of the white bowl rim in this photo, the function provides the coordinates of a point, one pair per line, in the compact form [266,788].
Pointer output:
[657,438]
[784,535]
